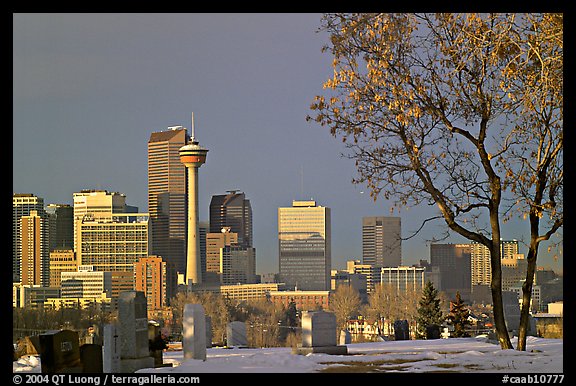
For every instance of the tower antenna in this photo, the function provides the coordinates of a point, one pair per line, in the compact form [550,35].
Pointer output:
[193,139]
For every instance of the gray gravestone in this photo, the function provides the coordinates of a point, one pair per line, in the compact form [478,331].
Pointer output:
[319,334]
[133,325]
[111,350]
[345,337]
[156,343]
[433,331]
[236,334]
[91,357]
[401,330]
[208,332]
[194,332]
[60,352]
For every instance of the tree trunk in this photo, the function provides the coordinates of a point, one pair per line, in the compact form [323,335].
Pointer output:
[527,285]
[499,320]
[526,297]
[496,287]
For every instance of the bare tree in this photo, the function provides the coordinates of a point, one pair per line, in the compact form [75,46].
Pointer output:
[381,303]
[421,104]
[345,302]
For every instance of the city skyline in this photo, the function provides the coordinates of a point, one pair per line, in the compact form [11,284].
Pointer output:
[98,85]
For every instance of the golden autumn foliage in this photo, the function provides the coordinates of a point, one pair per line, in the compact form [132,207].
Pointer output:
[462,111]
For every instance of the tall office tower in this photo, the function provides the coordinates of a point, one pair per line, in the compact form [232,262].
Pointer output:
[215,242]
[150,278]
[61,226]
[35,264]
[113,245]
[238,265]
[454,261]
[381,241]
[193,156]
[167,201]
[98,204]
[481,270]
[232,210]
[513,271]
[22,205]
[61,260]
[203,229]
[304,241]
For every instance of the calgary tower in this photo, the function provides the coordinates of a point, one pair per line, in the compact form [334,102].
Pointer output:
[193,156]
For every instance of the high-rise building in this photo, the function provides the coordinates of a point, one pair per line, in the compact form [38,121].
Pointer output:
[214,244]
[61,260]
[61,226]
[115,244]
[304,241]
[22,205]
[513,271]
[203,229]
[35,266]
[150,278]
[381,241]
[97,205]
[454,262]
[167,201]
[232,210]
[481,268]
[238,265]
[86,283]
[404,278]
[371,272]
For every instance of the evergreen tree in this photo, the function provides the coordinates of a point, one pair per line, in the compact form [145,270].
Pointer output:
[429,312]
[459,317]
[289,322]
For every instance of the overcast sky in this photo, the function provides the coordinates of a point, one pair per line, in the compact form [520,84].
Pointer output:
[89,89]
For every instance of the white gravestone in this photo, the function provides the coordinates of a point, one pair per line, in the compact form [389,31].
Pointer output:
[319,334]
[111,349]
[194,332]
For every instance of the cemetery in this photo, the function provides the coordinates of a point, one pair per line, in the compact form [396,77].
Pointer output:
[133,345]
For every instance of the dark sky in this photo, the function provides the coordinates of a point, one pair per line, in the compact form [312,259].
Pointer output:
[90,88]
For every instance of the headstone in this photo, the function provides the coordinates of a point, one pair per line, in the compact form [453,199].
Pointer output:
[194,332]
[91,357]
[236,334]
[433,331]
[208,331]
[133,325]
[345,337]
[156,344]
[111,349]
[319,334]
[401,330]
[60,352]
[93,335]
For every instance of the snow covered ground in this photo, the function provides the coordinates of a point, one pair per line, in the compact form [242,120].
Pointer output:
[460,355]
